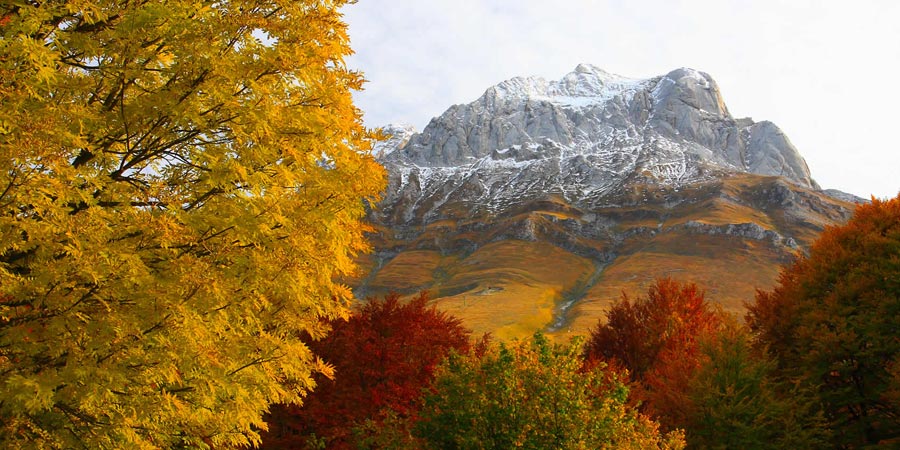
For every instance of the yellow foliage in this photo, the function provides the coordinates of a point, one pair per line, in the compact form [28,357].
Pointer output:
[180,184]
[533,394]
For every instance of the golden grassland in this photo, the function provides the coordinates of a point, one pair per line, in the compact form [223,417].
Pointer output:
[508,288]
[729,270]
[409,270]
[512,288]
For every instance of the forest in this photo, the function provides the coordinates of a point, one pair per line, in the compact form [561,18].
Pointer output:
[814,364]
[183,188]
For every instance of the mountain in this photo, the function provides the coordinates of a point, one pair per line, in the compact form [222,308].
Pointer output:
[534,206]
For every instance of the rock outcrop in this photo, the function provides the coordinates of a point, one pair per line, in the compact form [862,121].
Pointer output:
[584,137]
[538,203]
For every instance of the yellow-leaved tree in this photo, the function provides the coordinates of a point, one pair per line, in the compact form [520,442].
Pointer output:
[181,183]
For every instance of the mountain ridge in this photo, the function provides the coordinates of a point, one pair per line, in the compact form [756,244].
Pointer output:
[614,173]
[673,105]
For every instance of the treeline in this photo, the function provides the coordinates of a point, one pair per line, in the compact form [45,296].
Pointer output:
[814,364]
[410,376]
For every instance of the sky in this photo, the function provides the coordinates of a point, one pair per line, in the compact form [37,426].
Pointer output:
[827,72]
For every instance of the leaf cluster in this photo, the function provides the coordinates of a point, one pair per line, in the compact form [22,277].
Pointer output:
[532,394]
[181,183]
[383,357]
[833,321]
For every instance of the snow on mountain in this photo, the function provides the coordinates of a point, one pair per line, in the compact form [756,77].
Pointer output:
[398,135]
[586,86]
[585,138]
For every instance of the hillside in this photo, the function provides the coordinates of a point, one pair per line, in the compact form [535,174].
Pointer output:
[536,205]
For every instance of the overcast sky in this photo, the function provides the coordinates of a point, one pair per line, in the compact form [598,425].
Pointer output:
[826,72]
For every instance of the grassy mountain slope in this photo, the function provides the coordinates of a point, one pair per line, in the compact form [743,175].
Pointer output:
[550,265]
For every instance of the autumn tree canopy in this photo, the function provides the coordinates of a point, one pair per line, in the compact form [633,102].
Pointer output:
[532,394]
[656,339]
[833,320]
[383,358]
[180,184]
[637,332]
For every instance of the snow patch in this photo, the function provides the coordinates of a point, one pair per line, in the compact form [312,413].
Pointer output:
[398,134]
[586,86]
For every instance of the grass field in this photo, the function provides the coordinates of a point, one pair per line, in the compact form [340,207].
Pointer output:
[508,288]
[729,270]
[512,288]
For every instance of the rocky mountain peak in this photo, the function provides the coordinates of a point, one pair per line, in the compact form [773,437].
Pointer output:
[586,85]
[547,199]
[584,137]
[397,135]
[696,89]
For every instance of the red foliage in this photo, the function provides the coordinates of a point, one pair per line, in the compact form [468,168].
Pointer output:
[636,332]
[665,388]
[383,357]
[655,339]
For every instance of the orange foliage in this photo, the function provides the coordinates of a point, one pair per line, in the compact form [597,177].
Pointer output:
[655,339]
[383,357]
[833,320]
[666,386]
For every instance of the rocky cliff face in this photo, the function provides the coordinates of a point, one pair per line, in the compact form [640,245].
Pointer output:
[586,138]
[604,168]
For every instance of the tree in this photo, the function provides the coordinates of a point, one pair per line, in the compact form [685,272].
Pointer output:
[532,394]
[833,320]
[635,333]
[655,338]
[180,184]
[735,400]
[383,358]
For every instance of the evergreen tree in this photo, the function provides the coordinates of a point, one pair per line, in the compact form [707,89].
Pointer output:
[735,400]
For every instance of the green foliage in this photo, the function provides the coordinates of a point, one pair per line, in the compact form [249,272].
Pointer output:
[532,395]
[834,320]
[180,184]
[735,401]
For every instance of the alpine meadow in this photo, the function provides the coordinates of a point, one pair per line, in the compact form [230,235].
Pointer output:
[181,183]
